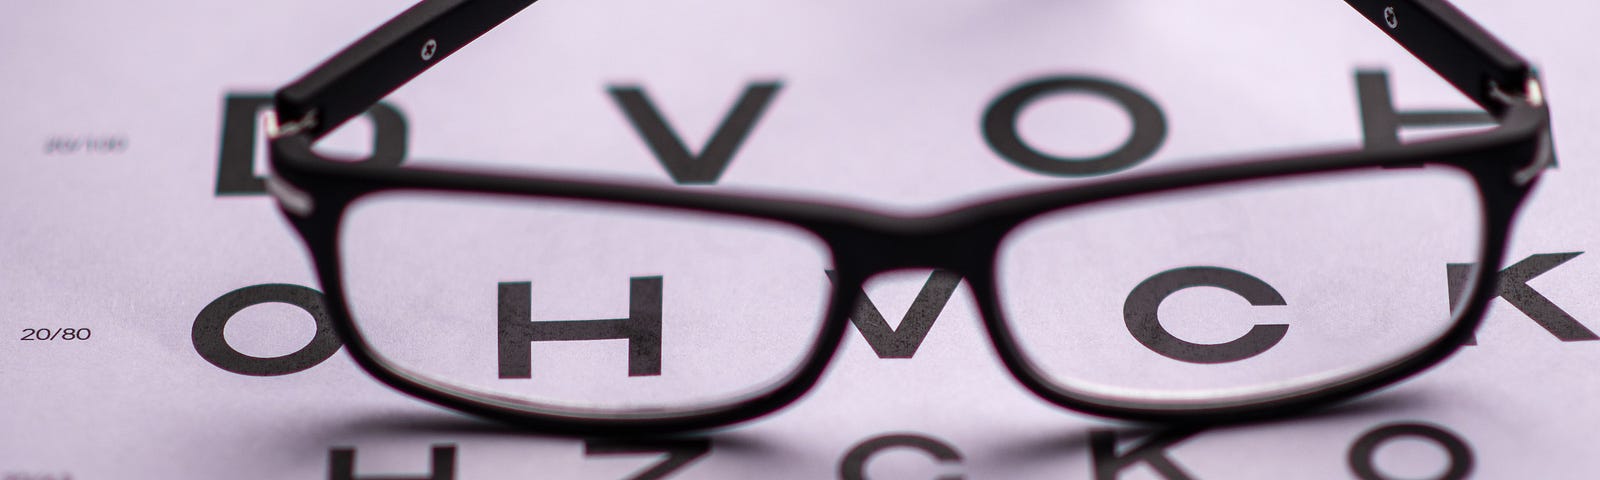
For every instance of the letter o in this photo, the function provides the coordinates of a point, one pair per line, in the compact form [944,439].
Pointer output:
[1362,451]
[1000,127]
[210,343]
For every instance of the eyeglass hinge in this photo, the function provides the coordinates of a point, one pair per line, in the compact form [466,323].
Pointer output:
[277,130]
[293,199]
[1533,93]
[1544,153]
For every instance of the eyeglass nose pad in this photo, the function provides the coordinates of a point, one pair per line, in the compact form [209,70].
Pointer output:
[922,294]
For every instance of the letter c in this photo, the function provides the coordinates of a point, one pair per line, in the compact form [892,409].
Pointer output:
[1139,311]
[854,464]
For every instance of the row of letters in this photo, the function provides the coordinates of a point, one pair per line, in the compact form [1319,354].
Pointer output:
[1110,457]
[642,327]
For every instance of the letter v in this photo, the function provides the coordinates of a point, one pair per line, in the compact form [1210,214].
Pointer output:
[685,167]
[902,343]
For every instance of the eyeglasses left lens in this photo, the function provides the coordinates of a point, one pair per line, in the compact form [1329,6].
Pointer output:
[1241,292]
[582,307]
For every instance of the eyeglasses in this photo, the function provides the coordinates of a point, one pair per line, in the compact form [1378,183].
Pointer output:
[596,308]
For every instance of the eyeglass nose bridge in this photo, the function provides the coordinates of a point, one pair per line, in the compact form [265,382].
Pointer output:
[932,242]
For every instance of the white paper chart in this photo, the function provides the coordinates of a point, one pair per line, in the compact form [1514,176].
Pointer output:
[161,320]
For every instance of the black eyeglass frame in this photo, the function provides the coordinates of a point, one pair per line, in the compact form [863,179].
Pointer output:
[314,191]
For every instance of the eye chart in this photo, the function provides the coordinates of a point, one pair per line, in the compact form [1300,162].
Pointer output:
[162,321]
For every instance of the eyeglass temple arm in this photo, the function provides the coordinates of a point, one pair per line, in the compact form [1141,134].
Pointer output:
[383,60]
[353,80]
[1456,48]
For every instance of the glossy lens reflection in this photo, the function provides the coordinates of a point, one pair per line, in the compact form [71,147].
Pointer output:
[585,307]
[1239,291]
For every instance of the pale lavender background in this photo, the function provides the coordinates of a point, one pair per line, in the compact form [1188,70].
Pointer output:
[880,107]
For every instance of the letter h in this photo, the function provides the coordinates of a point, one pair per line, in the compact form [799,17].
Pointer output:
[642,328]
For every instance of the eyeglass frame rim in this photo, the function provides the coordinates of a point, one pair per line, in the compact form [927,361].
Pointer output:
[314,191]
